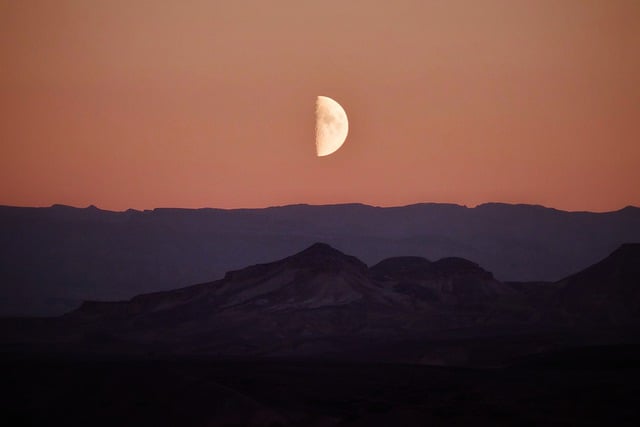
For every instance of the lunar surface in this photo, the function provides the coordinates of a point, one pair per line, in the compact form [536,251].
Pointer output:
[332,126]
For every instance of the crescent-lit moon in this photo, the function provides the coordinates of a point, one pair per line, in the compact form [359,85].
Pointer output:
[332,126]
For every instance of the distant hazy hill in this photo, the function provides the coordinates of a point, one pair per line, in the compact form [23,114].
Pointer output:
[51,258]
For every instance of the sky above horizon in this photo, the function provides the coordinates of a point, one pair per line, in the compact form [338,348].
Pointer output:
[144,104]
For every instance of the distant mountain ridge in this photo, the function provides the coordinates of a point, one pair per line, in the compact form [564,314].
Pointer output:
[52,258]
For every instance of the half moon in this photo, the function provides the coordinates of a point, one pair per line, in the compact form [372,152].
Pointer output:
[332,126]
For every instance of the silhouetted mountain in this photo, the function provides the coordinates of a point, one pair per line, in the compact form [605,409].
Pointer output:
[606,292]
[266,309]
[410,267]
[321,303]
[66,255]
[447,280]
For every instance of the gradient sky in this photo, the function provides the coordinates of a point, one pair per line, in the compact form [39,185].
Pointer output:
[143,104]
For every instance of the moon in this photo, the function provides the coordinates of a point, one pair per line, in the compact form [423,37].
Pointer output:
[332,126]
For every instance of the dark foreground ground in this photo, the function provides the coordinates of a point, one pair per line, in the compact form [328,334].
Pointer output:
[598,386]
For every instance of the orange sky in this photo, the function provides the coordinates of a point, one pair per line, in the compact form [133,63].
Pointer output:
[147,104]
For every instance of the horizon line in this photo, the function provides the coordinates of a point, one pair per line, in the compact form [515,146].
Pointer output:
[480,205]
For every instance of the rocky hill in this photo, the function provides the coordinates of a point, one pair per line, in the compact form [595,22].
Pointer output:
[322,303]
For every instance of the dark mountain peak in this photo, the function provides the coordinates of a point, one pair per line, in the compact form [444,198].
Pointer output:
[319,276]
[321,255]
[623,261]
[319,247]
[607,291]
[412,267]
[447,281]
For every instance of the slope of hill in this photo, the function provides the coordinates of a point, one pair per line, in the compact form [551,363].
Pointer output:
[608,291]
